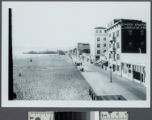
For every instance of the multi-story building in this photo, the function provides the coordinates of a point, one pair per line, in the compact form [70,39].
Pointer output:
[100,42]
[83,48]
[114,46]
[127,48]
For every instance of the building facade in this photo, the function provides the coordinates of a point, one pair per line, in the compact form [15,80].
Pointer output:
[127,48]
[100,42]
[114,46]
[83,51]
[83,48]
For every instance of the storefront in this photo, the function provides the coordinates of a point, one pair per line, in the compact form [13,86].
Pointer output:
[134,72]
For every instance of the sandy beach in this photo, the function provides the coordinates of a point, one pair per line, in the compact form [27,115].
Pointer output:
[48,77]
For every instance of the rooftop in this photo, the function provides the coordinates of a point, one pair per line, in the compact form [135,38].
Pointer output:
[99,28]
[82,43]
[115,22]
[128,20]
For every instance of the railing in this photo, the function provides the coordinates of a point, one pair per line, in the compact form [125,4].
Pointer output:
[94,96]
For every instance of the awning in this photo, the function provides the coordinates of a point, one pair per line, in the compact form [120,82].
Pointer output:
[102,62]
[106,63]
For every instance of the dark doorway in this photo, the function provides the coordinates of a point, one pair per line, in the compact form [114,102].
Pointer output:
[138,76]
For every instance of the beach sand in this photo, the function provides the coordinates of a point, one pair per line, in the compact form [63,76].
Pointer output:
[49,77]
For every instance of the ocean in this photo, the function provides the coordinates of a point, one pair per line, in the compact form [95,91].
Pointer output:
[21,55]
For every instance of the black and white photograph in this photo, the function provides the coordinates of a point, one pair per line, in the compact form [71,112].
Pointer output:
[76,54]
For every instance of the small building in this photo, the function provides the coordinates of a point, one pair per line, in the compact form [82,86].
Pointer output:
[83,48]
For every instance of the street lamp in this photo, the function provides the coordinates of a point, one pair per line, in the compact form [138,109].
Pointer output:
[110,74]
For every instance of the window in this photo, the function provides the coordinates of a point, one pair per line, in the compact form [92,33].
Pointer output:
[114,45]
[129,65]
[109,45]
[141,43]
[98,51]
[109,55]
[109,35]
[96,31]
[104,45]
[142,32]
[117,67]
[114,67]
[98,45]
[133,67]
[130,44]
[138,68]
[113,34]
[118,45]
[117,33]
[114,57]
[129,32]
[104,39]
[98,39]
[100,31]
[118,57]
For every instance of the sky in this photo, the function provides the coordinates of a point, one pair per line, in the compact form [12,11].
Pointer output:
[61,25]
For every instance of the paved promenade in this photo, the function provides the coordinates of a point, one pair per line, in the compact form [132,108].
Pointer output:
[99,80]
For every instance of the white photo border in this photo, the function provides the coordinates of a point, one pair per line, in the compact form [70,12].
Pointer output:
[69,104]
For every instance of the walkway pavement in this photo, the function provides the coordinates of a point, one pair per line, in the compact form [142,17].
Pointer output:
[99,80]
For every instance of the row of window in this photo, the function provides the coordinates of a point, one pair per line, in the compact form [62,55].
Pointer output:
[98,45]
[100,31]
[130,32]
[98,51]
[116,67]
[136,68]
[115,45]
[98,39]
[115,34]
[114,56]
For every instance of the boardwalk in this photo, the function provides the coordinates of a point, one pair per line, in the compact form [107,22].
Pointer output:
[49,77]
[99,80]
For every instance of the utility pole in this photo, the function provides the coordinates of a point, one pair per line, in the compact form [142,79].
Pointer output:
[110,74]
[11,94]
